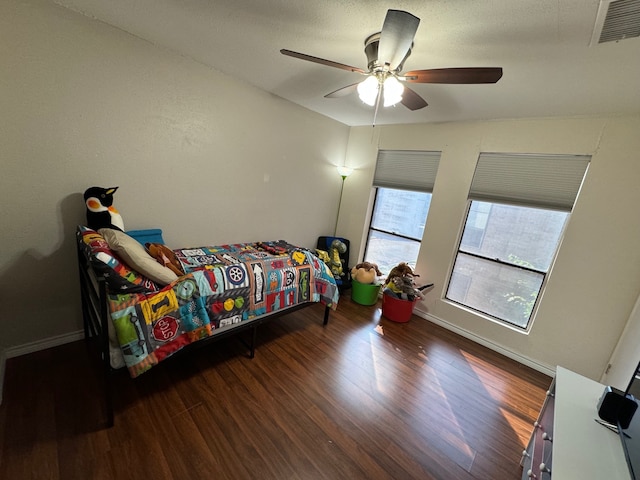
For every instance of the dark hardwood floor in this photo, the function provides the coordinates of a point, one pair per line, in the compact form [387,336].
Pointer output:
[363,398]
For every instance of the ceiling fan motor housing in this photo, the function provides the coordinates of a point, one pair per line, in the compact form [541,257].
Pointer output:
[371,51]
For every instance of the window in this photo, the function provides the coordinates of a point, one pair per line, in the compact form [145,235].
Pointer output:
[519,206]
[403,180]
[502,260]
[396,228]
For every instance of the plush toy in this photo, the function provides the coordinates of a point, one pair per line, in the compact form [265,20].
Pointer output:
[323,255]
[165,256]
[365,272]
[100,210]
[400,270]
[403,288]
[335,262]
[400,283]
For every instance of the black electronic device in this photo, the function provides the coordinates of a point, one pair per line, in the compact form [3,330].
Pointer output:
[617,407]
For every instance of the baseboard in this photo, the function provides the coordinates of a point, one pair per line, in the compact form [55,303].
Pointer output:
[540,367]
[43,344]
[32,347]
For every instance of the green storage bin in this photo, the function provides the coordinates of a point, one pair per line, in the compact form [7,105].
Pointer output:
[364,293]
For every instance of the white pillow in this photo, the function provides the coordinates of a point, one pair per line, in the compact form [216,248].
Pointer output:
[136,256]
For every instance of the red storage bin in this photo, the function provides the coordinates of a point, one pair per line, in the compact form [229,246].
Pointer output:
[396,309]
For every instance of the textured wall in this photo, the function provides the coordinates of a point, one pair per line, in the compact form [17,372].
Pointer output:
[206,158]
[595,280]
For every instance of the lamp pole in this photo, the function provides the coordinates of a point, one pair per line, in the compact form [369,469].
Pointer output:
[344,173]
[335,230]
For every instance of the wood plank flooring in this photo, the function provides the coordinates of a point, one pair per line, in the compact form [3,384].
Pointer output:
[363,398]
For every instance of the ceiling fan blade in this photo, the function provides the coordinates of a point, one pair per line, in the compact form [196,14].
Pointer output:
[343,92]
[396,37]
[321,61]
[455,75]
[412,100]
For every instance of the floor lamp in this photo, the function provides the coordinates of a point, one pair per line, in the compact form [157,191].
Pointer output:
[344,172]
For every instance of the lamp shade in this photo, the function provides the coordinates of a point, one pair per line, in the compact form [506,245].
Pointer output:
[368,90]
[345,171]
[392,90]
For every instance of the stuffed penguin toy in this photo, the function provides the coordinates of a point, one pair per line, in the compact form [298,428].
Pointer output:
[100,210]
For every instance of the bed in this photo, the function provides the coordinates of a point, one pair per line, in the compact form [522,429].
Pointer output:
[139,318]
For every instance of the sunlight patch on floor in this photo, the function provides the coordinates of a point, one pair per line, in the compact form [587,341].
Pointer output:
[494,385]
[451,441]
[519,427]
[495,388]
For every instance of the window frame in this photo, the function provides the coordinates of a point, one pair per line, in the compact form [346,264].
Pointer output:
[543,274]
[394,234]
[371,228]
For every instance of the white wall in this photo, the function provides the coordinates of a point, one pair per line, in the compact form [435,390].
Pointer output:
[596,278]
[624,360]
[204,157]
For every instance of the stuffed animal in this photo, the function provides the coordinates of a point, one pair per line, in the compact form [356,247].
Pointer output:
[335,262]
[323,255]
[403,288]
[165,256]
[400,270]
[365,272]
[100,210]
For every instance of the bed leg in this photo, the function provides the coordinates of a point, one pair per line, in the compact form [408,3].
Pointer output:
[326,316]
[85,315]
[108,396]
[106,359]
[252,348]
[85,309]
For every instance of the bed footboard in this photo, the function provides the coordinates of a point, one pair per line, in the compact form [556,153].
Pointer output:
[95,318]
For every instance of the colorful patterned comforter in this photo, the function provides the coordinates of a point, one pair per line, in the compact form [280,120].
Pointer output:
[224,286]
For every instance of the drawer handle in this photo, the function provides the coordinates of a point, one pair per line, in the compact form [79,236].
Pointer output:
[526,454]
[550,393]
[530,474]
[544,468]
[545,436]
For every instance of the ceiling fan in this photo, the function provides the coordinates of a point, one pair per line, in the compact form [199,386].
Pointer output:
[386,53]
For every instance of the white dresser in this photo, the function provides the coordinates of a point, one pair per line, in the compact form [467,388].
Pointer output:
[567,443]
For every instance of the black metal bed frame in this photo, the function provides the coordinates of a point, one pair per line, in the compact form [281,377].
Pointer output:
[95,316]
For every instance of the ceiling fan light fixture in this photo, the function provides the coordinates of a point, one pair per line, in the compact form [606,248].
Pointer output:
[393,91]
[368,90]
[386,52]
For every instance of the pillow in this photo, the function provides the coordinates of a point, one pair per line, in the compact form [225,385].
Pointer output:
[136,256]
[119,276]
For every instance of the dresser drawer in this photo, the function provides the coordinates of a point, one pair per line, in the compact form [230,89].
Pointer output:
[540,448]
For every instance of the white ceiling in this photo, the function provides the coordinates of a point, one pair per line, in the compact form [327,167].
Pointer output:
[550,69]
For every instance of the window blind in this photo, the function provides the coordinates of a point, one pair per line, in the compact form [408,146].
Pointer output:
[547,181]
[406,170]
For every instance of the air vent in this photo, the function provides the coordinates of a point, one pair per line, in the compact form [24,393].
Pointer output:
[616,20]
